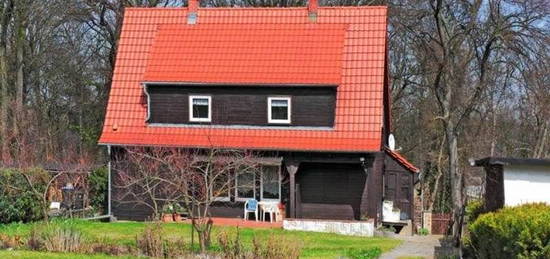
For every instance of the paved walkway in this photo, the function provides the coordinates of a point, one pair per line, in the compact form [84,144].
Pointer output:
[422,246]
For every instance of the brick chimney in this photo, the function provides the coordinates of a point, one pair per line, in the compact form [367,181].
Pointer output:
[192,7]
[312,6]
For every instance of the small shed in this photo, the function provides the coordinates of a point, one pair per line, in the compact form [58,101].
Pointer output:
[514,181]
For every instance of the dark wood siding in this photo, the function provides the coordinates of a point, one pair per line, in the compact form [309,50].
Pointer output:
[398,187]
[494,188]
[330,191]
[245,105]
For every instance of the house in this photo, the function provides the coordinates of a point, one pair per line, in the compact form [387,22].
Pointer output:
[514,181]
[307,85]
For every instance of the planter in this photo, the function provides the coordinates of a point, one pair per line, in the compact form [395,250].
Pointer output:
[167,218]
[177,217]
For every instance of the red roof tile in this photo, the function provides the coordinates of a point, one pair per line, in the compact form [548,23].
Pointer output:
[345,47]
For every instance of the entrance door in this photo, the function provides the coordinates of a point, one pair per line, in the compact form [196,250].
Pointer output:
[397,188]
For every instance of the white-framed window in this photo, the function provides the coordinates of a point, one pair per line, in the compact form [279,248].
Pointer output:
[221,187]
[245,184]
[278,110]
[270,184]
[200,108]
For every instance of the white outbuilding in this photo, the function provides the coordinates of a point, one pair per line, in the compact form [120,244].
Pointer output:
[515,181]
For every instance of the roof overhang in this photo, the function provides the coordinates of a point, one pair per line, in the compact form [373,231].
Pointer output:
[508,161]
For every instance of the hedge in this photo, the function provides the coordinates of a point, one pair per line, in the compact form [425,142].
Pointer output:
[512,232]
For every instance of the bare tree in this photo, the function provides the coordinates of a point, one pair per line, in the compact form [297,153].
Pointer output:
[195,178]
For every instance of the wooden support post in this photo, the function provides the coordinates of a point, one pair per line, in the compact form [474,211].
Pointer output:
[292,168]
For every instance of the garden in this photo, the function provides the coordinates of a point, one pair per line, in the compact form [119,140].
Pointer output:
[92,239]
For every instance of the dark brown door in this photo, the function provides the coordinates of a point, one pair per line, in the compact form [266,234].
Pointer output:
[397,188]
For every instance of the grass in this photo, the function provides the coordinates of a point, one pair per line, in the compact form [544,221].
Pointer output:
[315,245]
[44,255]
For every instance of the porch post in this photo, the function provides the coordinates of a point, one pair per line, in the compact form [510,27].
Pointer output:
[292,168]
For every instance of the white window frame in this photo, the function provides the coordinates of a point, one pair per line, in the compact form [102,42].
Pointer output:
[221,198]
[237,198]
[262,185]
[193,119]
[278,121]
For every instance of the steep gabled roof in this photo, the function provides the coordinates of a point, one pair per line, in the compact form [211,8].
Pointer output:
[344,47]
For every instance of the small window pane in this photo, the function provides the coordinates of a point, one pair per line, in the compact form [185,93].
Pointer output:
[245,185]
[279,109]
[200,108]
[221,186]
[270,182]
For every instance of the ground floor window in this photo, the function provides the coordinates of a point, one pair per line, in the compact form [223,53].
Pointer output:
[220,188]
[246,188]
[271,183]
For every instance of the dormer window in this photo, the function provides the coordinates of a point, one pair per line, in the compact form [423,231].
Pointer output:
[200,109]
[278,109]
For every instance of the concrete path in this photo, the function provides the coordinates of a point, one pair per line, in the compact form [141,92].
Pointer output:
[419,246]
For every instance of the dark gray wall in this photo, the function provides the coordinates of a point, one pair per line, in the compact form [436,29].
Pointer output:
[243,105]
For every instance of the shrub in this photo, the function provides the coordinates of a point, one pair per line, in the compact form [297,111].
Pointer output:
[150,242]
[473,210]
[10,241]
[512,232]
[63,239]
[423,232]
[17,201]
[230,245]
[276,247]
[98,182]
[370,253]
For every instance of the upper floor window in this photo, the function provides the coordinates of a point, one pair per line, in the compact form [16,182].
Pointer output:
[278,109]
[200,109]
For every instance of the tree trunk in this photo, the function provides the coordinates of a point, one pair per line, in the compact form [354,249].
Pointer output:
[5,17]
[456,183]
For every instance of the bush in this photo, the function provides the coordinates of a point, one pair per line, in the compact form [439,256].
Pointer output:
[276,247]
[63,239]
[150,242]
[17,201]
[230,245]
[512,232]
[98,182]
[473,210]
[371,253]
[423,232]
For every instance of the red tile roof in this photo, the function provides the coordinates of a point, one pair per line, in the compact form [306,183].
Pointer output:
[402,160]
[247,53]
[345,46]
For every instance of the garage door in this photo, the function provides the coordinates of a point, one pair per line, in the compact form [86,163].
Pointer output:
[330,191]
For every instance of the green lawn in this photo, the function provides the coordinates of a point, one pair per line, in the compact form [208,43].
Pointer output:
[315,245]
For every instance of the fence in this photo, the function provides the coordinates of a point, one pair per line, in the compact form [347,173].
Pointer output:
[440,223]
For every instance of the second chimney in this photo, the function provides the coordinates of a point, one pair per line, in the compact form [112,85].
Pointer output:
[192,7]
[312,6]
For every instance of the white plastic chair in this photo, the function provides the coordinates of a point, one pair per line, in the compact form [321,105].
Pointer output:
[272,210]
[251,206]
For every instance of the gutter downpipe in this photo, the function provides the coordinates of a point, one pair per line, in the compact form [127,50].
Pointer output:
[109,212]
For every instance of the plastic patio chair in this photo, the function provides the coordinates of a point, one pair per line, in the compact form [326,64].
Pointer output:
[251,206]
[273,212]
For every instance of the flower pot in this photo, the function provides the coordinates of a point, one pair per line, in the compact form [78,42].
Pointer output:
[282,212]
[167,218]
[177,217]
